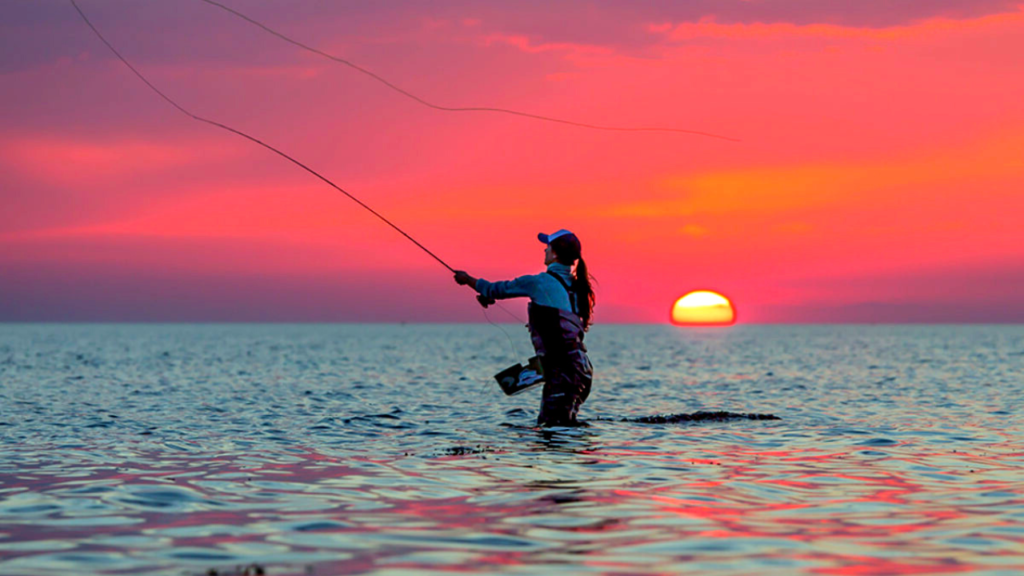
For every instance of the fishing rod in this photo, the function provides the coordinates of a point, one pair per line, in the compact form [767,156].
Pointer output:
[428,104]
[256,140]
[290,159]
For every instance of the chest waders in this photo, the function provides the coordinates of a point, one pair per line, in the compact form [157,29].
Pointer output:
[557,337]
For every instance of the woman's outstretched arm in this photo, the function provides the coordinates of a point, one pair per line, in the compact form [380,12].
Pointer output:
[521,286]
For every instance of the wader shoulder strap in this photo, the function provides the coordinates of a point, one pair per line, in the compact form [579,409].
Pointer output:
[572,293]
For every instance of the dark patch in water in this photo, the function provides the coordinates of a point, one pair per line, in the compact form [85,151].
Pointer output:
[390,416]
[464,450]
[702,416]
[877,442]
[323,525]
[250,570]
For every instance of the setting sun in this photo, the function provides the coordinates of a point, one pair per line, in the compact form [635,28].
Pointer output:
[703,308]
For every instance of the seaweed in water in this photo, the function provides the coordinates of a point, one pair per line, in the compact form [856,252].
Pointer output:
[702,416]
[464,450]
[250,570]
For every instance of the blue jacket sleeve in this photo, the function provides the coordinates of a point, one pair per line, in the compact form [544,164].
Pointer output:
[521,286]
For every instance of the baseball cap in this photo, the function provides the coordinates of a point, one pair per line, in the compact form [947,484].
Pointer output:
[547,238]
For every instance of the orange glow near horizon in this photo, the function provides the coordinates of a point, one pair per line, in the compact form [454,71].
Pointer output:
[877,175]
[703,308]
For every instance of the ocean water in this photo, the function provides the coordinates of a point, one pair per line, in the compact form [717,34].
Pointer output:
[388,449]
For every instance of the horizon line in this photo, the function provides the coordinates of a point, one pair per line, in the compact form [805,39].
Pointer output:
[425,323]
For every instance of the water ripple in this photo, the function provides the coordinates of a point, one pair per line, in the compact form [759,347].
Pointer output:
[386,449]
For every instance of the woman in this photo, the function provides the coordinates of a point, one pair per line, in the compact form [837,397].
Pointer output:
[560,310]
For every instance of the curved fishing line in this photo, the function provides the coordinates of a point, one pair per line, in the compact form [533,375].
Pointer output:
[515,351]
[252,139]
[509,312]
[170,101]
[412,96]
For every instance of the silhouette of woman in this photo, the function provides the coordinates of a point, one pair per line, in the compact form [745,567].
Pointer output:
[560,310]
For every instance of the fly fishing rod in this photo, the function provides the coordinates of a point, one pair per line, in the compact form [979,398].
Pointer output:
[287,157]
[256,140]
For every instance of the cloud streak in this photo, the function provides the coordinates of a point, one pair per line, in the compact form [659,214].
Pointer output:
[710,28]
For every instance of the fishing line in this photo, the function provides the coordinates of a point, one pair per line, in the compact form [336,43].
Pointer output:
[510,313]
[169,100]
[412,96]
[515,351]
[252,139]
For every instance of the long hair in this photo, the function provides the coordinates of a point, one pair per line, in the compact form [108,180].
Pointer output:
[567,250]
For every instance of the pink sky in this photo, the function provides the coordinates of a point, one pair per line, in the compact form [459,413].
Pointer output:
[879,176]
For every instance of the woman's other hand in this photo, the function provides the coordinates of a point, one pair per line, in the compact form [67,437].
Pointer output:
[484,300]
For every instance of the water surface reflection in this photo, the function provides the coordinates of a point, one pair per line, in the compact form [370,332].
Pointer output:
[324,458]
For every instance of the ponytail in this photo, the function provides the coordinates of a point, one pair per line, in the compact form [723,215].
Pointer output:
[585,298]
[567,251]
